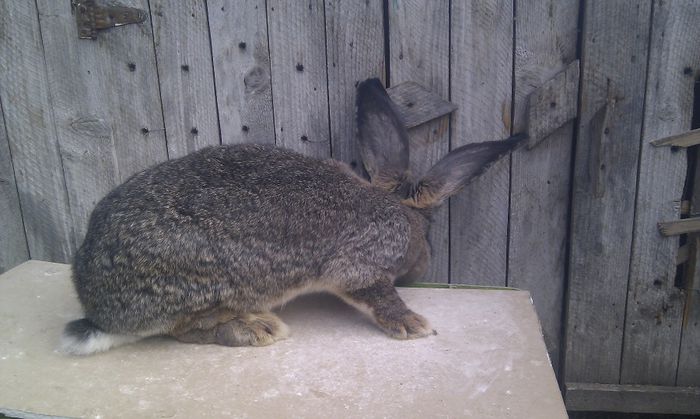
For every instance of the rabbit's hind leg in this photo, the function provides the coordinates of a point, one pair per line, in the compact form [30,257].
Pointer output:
[227,328]
[254,329]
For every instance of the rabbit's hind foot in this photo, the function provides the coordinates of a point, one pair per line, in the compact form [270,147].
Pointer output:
[382,302]
[407,325]
[228,329]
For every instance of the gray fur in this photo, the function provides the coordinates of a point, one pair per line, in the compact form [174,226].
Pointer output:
[203,247]
[238,226]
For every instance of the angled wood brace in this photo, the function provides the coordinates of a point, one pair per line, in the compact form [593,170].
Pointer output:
[686,139]
[417,105]
[553,105]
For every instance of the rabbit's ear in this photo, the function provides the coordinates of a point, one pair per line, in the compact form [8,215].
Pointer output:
[457,169]
[382,136]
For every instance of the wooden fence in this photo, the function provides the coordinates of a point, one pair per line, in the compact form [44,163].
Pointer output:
[573,220]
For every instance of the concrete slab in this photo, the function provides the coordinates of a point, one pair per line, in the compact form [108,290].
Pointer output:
[487,361]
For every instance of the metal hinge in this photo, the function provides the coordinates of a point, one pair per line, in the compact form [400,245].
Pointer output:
[91,16]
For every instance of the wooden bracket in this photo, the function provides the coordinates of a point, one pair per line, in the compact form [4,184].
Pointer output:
[686,139]
[676,227]
[91,16]
[554,104]
[417,105]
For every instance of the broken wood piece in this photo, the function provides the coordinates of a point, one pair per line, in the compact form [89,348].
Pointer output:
[674,228]
[417,105]
[685,207]
[554,104]
[686,139]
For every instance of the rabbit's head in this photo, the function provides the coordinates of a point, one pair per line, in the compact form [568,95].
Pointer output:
[384,147]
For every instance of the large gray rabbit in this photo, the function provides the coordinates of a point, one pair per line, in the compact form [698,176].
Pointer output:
[202,248]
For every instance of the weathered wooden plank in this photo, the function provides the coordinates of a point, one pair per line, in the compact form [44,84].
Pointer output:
[416,105]
[106,103]
[242,70]
[481,80]
[654,303]
[688,373]
[185,74]
[545,46]
[355,49]
[686,139]
[633,398]
[299,76]
[676,227]
[13,246]
[419,44]
[32,134]
[556,102]
[688,360]
[613,62]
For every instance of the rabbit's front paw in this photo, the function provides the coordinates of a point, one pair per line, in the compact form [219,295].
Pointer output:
[408,325]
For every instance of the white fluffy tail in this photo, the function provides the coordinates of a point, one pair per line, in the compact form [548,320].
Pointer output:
[83,337]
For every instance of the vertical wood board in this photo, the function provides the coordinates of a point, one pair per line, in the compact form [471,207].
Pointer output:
[355,49]
[481,57]
[13,241]
[689,361]
[654,304]
[107,105]
[545,44]
[185,75]
[31,133]
[419,41]
[241,57]
[299,76]
[614,56]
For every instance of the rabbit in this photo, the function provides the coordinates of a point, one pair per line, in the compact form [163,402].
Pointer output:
[202,248]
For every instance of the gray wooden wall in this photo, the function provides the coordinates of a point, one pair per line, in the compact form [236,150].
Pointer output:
[80,116]
[629,323]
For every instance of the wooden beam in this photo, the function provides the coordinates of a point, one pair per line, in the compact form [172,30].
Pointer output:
[553,105]
[686,139]
[674,228]
[632,398]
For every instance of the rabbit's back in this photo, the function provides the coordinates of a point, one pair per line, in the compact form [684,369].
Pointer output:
[239,225]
